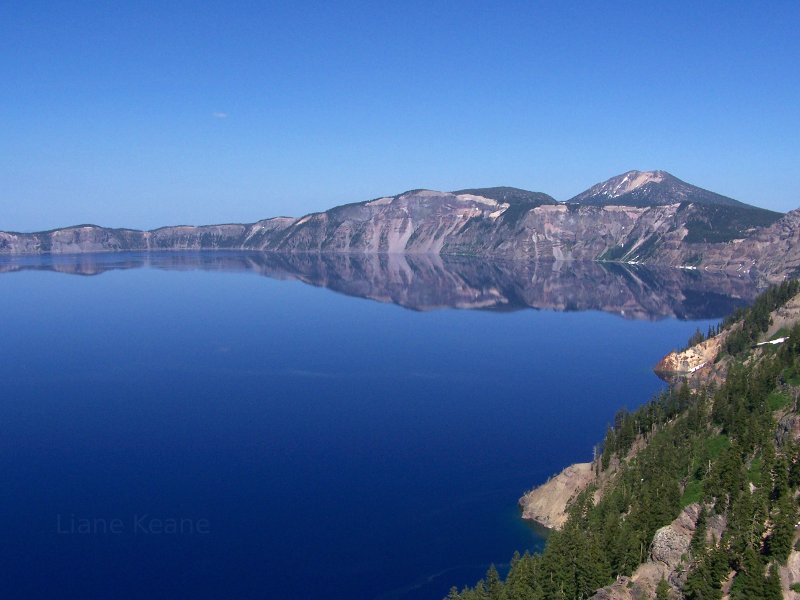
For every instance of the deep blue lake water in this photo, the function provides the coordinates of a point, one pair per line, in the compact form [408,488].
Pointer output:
[311,443]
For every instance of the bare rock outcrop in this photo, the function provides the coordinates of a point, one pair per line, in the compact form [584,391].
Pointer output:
[669,555]
[697,365]
[790,575]
[784,317]
[773,251]
[692,359]
[701,363]
[788,429]
[547,503]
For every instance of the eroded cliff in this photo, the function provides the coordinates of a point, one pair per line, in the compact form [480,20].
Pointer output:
[694,230]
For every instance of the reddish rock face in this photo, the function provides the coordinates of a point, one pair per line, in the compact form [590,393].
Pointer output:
[692,363]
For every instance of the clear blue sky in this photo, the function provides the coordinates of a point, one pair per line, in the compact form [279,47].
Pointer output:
[168,112]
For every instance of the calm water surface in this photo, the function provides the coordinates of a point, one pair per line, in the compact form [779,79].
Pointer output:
[313,444]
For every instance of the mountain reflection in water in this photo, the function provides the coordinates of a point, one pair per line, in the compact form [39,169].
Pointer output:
[428,282]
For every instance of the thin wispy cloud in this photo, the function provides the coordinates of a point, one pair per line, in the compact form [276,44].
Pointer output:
[219,115]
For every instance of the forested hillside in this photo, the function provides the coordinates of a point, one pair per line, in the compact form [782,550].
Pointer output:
[720,462]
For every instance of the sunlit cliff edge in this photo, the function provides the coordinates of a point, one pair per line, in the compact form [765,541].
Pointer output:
[647,217]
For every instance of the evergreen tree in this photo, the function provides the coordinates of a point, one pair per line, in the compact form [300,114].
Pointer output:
[748,480]
[779,543]
[494,587]
[663,590]
[698,544]
[749,583]
[772,585]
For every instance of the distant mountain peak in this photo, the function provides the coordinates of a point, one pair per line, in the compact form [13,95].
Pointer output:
[651,188]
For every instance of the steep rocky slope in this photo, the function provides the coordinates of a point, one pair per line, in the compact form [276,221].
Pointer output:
[666,560]
[694,495]
[640,217]
[773,250]
[547,503]
[706,363]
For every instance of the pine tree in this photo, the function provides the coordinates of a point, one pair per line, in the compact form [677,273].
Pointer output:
[494,587]
[702,583]
[698,544]
[779,543]
[663,590]
[772,585]
[611,538]
[749,582]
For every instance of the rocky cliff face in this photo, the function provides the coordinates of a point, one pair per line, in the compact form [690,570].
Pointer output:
[679,227]
[705,362]
[668,553]
[547,503]
[92,238]
[696,365]
[773,251]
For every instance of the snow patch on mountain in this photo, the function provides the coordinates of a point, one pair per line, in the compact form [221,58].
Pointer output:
[630,181]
